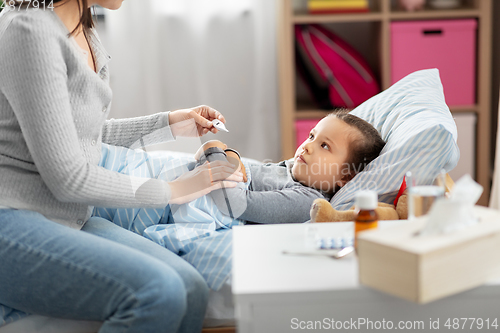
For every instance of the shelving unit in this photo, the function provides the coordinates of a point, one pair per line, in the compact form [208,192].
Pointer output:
[383,12]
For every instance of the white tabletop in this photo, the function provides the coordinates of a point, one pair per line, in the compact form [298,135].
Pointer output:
[259,265]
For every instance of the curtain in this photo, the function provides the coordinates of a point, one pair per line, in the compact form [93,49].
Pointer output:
[173,54]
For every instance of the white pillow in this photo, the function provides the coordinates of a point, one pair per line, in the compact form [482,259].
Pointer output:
[420,134]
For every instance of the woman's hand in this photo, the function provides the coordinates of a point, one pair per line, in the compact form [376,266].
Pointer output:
[194,122]
[203,180]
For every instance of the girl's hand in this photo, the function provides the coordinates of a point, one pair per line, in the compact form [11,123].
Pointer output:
[194,122]
[203,180]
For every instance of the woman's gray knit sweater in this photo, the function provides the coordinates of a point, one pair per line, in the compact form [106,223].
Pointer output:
[53,111]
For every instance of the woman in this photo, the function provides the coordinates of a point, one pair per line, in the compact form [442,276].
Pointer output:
[56,260]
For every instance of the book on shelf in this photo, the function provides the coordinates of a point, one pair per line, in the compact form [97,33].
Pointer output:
[338,11]
[337,6]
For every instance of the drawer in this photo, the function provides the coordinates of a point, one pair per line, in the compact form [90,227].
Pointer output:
[449,45]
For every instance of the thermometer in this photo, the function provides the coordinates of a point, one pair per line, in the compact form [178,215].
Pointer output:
[219,125]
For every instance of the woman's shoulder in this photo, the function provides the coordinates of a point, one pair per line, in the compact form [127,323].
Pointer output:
[30,22]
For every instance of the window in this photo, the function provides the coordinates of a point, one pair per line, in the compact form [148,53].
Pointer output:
[212,7]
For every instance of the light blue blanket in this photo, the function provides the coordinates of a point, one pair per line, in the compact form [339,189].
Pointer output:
[196,231]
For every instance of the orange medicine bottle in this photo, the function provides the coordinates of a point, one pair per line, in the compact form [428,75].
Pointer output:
[366,218]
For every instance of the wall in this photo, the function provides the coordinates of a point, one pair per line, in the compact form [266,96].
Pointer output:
[495,63]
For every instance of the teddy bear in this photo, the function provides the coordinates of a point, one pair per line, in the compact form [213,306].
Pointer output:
[322,211]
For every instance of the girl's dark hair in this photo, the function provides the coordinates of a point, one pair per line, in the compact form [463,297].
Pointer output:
[363,148]
[86,19]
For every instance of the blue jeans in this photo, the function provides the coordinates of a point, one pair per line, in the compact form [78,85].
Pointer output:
[102,273]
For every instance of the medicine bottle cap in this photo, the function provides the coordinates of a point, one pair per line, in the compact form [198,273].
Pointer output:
[366,200]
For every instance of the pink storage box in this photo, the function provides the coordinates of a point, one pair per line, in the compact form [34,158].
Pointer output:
[449,45]
[302,129]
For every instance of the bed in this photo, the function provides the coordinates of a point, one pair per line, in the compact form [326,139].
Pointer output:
[421,136]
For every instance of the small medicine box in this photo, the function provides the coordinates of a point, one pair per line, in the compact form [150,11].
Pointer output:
[426,268]
[448,45]
[302,129]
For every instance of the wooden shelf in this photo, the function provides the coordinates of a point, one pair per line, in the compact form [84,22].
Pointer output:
[383,13]
[304,18]
[464,109]
[435,14]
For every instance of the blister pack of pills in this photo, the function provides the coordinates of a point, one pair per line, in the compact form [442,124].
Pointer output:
[334,242]
[314,240]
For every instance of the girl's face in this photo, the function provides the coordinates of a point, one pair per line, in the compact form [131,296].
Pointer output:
[319,162]
[109,4]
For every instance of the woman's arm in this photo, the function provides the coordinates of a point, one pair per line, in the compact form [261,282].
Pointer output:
[128,132]
[160,127]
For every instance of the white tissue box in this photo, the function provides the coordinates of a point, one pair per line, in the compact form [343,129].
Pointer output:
[427,268]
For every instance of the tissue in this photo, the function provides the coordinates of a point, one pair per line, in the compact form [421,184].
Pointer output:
[457,211]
